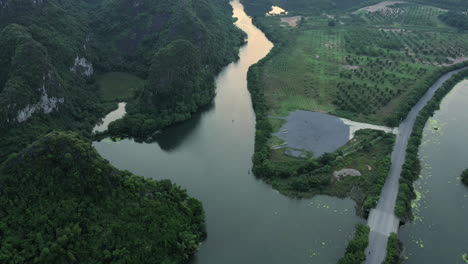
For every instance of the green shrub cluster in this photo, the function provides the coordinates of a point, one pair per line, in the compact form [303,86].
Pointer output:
[393,250]
[412,166]
[378,181]
[355,251]
[464,177]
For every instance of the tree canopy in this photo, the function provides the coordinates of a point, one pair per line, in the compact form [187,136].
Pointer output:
[60,202]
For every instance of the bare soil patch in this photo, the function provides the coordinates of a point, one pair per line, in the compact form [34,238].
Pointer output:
[292,21]
[346,173]
[455,61]
[351,67]
[384,6]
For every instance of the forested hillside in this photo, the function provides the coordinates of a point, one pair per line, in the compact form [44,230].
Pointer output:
[53,50]
[60,202]
[196,40]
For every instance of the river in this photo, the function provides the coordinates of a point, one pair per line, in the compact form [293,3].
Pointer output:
[210,155]
[439,233]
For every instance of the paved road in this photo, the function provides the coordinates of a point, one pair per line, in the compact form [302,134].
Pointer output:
[382,220]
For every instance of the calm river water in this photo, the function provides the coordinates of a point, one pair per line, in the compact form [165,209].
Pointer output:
[439,233]
[210,156]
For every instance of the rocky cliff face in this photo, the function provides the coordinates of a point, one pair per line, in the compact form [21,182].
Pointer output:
[46,103]
[29,82]
[82,67]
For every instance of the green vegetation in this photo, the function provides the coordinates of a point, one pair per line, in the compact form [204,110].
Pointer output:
[201,39]
[412,166]
[464,177]
[119,86]
[355,251]
[307,7]
[307,177]
[393,250]
[446,4]
[370,67]
[455,19]
[61,202]
[53,50]
[365,66]
[369,153]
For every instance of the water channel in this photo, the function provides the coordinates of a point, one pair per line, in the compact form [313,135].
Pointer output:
[210,156]
[439,233]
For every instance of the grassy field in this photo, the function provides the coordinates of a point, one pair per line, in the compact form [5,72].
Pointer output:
[365,67]
[119,86]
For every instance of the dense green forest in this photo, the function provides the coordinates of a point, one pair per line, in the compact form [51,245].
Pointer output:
[60,202]
[53,50]
[199,39]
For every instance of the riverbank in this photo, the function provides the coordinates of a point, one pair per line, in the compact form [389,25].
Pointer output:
[275,89]
[303,72]
[304,133]
[412,166]
[383,218]
[306,177]
[210,156]
[441,204]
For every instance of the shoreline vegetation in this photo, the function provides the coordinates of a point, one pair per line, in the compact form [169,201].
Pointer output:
[393,250]
[412,165]
[355,250]
[65,64]
[307,177]
[265,160]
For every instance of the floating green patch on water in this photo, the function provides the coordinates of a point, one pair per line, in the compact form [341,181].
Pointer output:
[420,243]
[416,202]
